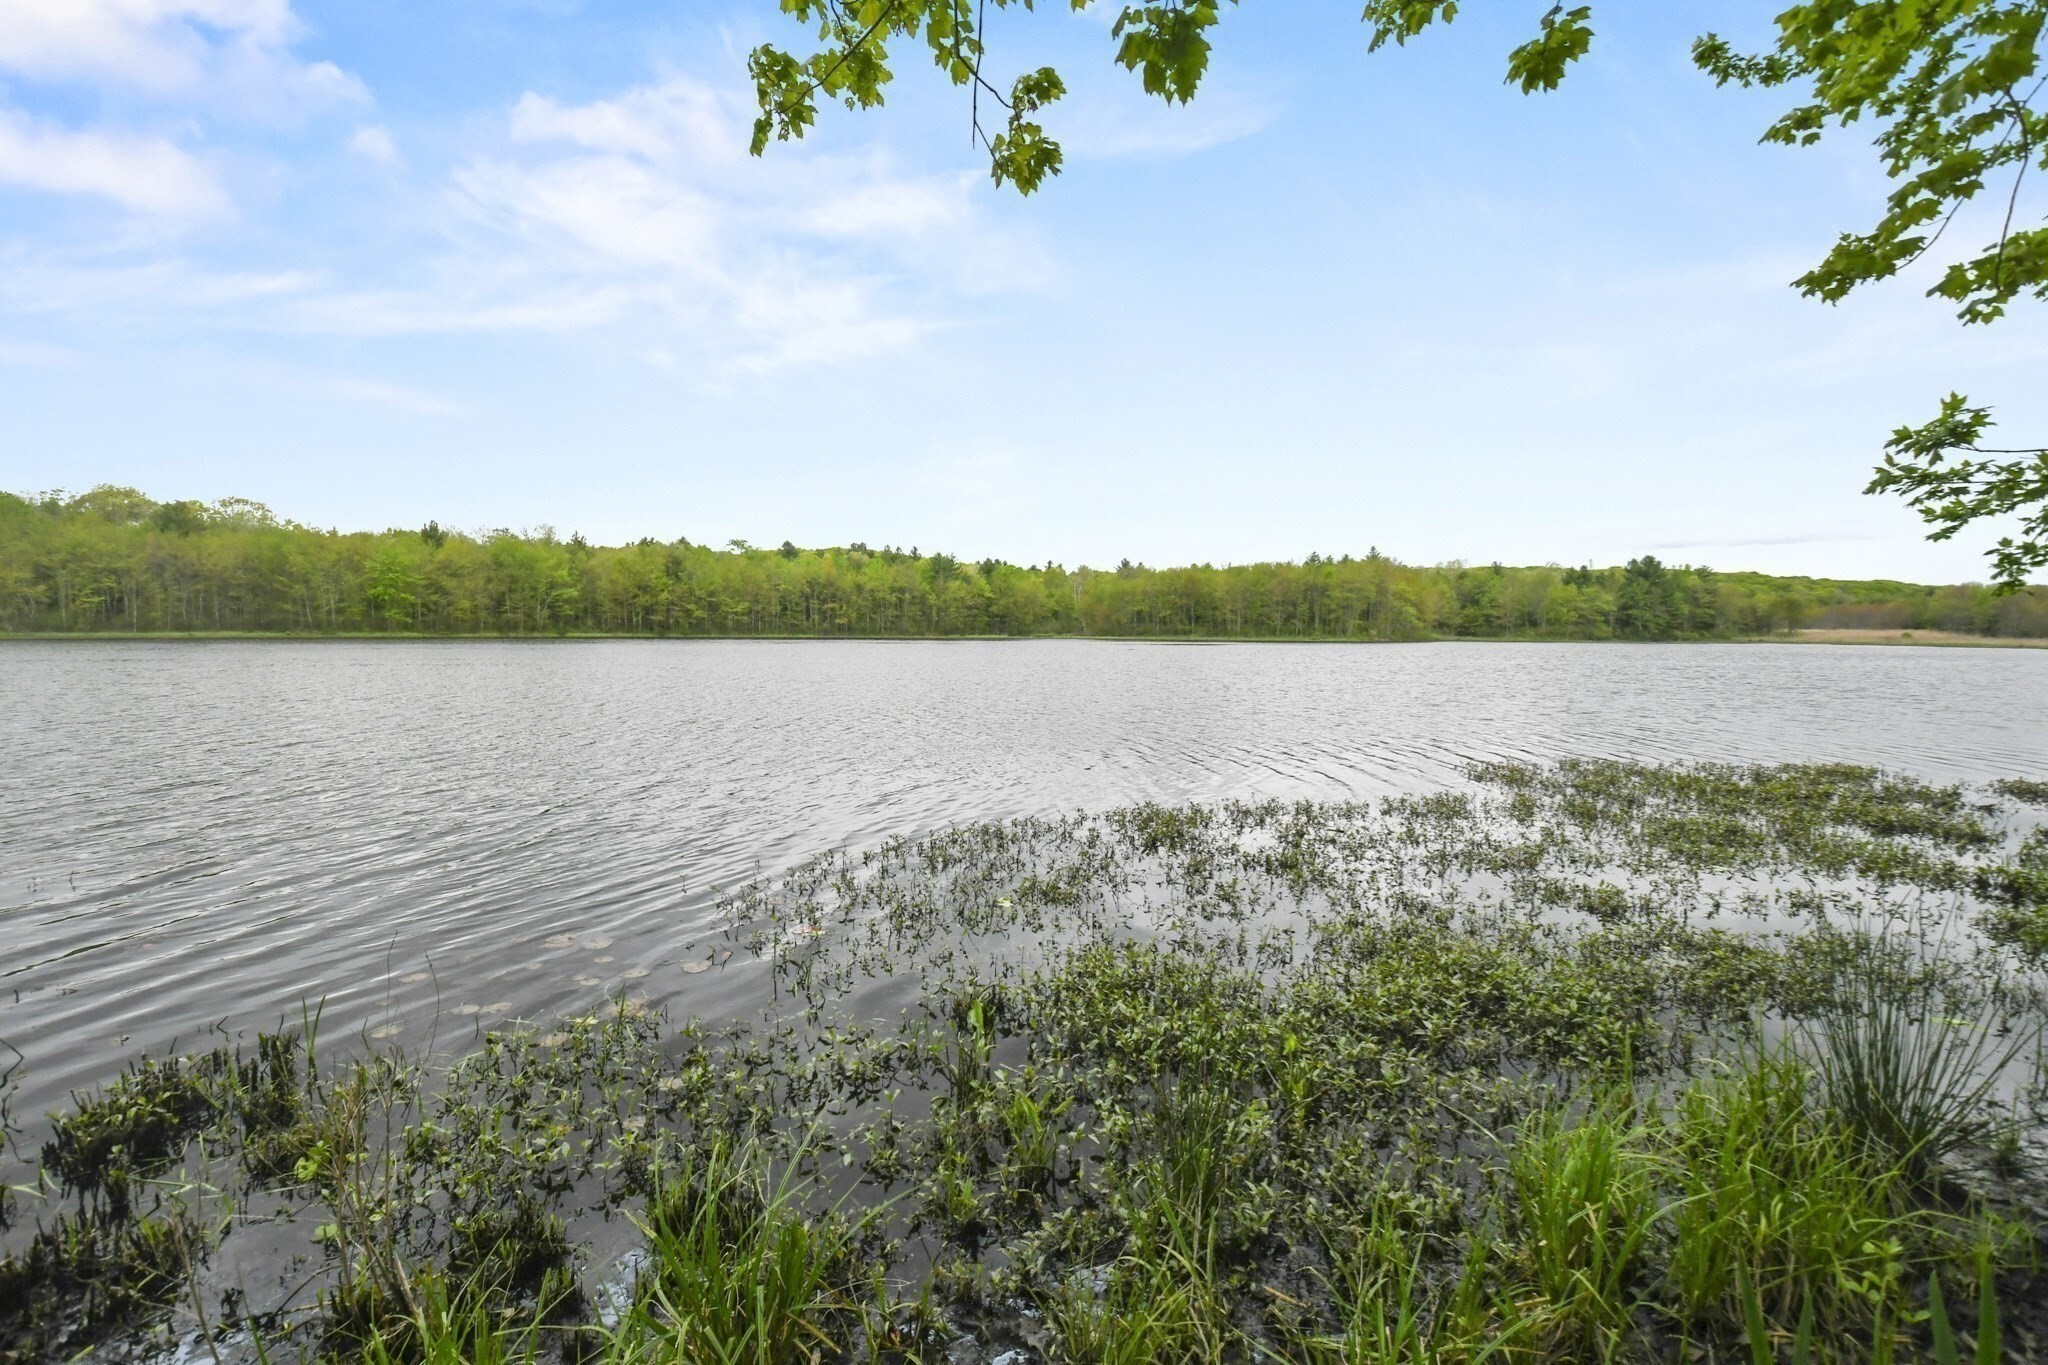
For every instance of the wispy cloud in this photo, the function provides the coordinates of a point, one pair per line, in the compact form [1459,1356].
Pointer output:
[378,393]
[192,63]
[136,292]
[655,122]
[146,174]
[373,142]
[1789,538]
[1120,122]
[641,214]
[800,259]
[223,53]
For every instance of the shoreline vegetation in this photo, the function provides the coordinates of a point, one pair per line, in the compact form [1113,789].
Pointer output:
[114,561]
[1927,639]
[1577,1061]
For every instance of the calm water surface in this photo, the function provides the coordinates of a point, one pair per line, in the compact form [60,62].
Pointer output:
[208,834]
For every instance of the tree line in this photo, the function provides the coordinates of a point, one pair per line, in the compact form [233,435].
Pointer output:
[113,560]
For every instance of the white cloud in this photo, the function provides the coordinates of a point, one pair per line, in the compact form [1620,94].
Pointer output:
[131,294]
[677,117]
[639,218]
[380,394]
[373,142]
[796,259]
[451,306]
[1126,122]
[235,52]
[33,353]
[147,174]
[605,211]
[889,208]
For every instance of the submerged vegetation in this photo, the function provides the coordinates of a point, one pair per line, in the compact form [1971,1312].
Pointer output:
[1592,1061]
[113,560]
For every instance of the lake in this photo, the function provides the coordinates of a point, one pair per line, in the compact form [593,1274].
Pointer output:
[199,835]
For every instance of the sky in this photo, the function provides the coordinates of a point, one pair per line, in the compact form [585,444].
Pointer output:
[506,263]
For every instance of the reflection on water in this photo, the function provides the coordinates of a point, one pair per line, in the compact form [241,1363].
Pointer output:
[210,834]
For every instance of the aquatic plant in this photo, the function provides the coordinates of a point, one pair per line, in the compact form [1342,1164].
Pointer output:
[736,1271]
[1478,1075]
[1903,1071]
[1585,1198]
[1781,1214]
[2030,790]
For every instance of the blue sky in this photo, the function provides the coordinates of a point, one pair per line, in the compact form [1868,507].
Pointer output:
[506,263]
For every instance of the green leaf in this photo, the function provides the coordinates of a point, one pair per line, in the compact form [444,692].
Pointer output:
[1937,1324]
[1564,37]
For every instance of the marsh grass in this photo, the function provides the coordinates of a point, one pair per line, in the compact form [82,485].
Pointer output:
[1141,1309]
[1393,1301]
[739,1271]
[1909,1073]
[1782,1216]
[1586,1200]
[1468,1076]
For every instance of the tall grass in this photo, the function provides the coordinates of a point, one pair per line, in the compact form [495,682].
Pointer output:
[1781,1213]
[1394,1311]
[448,1327]
[737,1274]
[1587,1201]
[1909,1078]
[1145,1309]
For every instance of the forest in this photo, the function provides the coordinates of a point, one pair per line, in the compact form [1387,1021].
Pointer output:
[113,560]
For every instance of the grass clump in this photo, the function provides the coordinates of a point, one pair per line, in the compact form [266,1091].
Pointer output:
[1137,1310]
[1393,1309]
[445,1326]
[737,1271]
[1906,1075]
[1781,1213]
[1586,1200]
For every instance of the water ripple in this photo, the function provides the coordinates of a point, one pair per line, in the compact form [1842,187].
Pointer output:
[197,833]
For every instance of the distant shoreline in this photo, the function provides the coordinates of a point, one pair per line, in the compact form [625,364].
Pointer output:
[1937,639]
[1843,635]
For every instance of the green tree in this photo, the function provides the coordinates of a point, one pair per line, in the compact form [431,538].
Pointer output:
[1643,605]
[114,561]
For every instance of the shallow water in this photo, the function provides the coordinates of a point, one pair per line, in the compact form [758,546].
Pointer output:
[199,835]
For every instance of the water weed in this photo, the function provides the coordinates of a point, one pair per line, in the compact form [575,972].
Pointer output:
[1904,1071]
[1485,1074]
[1585,1199]
[1781,1213]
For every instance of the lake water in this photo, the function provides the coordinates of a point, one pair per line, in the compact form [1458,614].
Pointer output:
[198,835]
